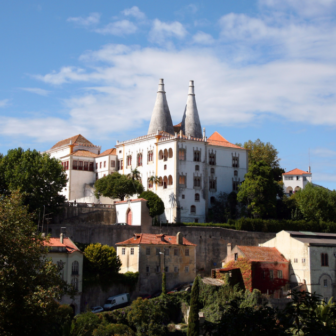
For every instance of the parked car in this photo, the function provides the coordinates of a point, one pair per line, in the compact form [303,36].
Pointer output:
[117,301]
[97,309]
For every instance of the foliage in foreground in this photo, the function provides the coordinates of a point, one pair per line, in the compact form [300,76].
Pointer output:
[154,203]
[193,322]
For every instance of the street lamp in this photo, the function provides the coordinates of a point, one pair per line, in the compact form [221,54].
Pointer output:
[163,261]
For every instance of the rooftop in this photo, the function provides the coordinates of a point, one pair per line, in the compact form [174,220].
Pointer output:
[108,152]
[84,153]
[155,239]
[217,140]
[67,243]
[314,238]
[261,253]
[76,139]
[297,171]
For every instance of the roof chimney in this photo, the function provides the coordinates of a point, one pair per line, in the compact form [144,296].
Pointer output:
[228,249]
[61,237]
[179,238]
[309,169]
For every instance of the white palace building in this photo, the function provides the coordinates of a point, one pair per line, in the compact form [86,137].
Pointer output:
[192,169]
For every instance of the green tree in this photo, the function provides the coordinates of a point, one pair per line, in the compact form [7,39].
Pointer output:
[113,330]
[153,179]
[154,203]
[37,176]
[316,203]
[259,190]
[117,186]
[101,259]
[193,321]
[29,281]
[84,324]
[164,288]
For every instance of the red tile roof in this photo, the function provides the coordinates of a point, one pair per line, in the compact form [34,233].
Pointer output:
[84,153]
[154,239]
[108,152]
[261,253]
[217,140]
[297,171]
[67,242]
[77,139]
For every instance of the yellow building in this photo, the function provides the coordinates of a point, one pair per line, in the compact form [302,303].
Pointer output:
[69,259]
[151,254]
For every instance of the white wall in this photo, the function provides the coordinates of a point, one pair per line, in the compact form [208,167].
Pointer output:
[122,209]
[297,181]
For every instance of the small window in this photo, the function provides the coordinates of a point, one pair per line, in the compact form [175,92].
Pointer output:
[119,151]
[186,269]
[166,251]
[165,167]
[157,251]
[297,178]
[182,155]
[176,252]
[104,164]
[86,165]
[325,283]
[324,259]
[176,269]
[147,269]
[212,159]
[193,209]
[197,197]
[182,180]
[197,181]
[186,252]
[271,274]
[279,274]
[157,269]
[100,164]
[197,156]
[236,256]
[197,168]
[295,260]
[150,156]
[166,269]
[183,196]
[235,173]
[112,163]
[303,260]
[235,161]
[132,250]
[123,251]
[147,250]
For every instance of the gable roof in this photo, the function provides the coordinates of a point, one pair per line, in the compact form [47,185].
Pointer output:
[261,253]
[297,171]
[67,243]
[76,139]
[108,152]
[84,153]
[217,140]
[153,239]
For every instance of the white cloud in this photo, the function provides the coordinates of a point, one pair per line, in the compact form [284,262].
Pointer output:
[38,91]
[203,38]
[161,30]
[92,19]
[135,12]
[4,102]
[119,28]
[323,152]
[66,74]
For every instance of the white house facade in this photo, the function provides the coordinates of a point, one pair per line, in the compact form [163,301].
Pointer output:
[191,169]
[295,180]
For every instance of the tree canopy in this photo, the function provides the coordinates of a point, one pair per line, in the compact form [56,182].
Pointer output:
[117,186]
[37,176]
[29,281]
[193,322]
[259,190]
[154,203]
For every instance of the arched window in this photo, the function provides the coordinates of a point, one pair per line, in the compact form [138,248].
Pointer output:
[165,182]
[170,154]
[139,160]
[212,170]
[170,180]
[193,209]
[197,197]
[160,155]
[75,268]
[236,173]
[129,217]
[165,167]
[297,189]
[289,190]
[324,259]
[74,283]
[165,155]
[212,200]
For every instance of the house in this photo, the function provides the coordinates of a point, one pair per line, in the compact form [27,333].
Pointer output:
[312,259]
[153,254]
[192,170]
[69,259]
[263,268]
[295,180]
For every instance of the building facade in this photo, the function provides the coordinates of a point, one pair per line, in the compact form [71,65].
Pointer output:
[151,254]
[179,163]
[295,180]
[69,259]
[312,259]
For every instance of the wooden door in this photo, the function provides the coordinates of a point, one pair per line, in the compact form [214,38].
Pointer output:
[129,217]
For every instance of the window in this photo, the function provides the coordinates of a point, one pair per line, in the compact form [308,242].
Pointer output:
[129,160]
[304,178]
[295,260]
[120,151]
[303,260]
[166,269]
[176,252]
[147,269]
[96,176]
[121,164]
[279,274]
[196,220]
[186,269]
[235,161]
[193,209]
[235,173]
[104,164]
[197,156]
[157,269]
[182,180]
[297,178]
[186,252]
[147,250]
[324,259]
[288,177]
[236,256]
[212,200]
[100,164]
[183,196]
[112,163]
[132,250]
[150,156]
[91,166]
[157,251]
[75,268]
[235,185]
[212,170]
[182,155]
[139,160]
[170,153]
[170,180]
[197,168]
[166,251]
[165,182]
[96,165]
[165,167]
[212,184]
[212,159]
[197,197]
[86,165]
[175,269]
[160,155]
[123,251]
[271,274]
[165,155]
[197,181]
[325,283]
[74,283]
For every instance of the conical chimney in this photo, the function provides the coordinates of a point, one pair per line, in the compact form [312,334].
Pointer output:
[191,124]
[161,119]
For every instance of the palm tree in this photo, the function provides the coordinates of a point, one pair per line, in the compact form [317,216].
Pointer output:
[153,180]
[134,175]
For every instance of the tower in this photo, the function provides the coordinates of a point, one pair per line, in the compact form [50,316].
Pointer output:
[161,119]
[191,124]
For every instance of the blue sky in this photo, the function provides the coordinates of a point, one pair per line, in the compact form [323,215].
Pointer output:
[262,69]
